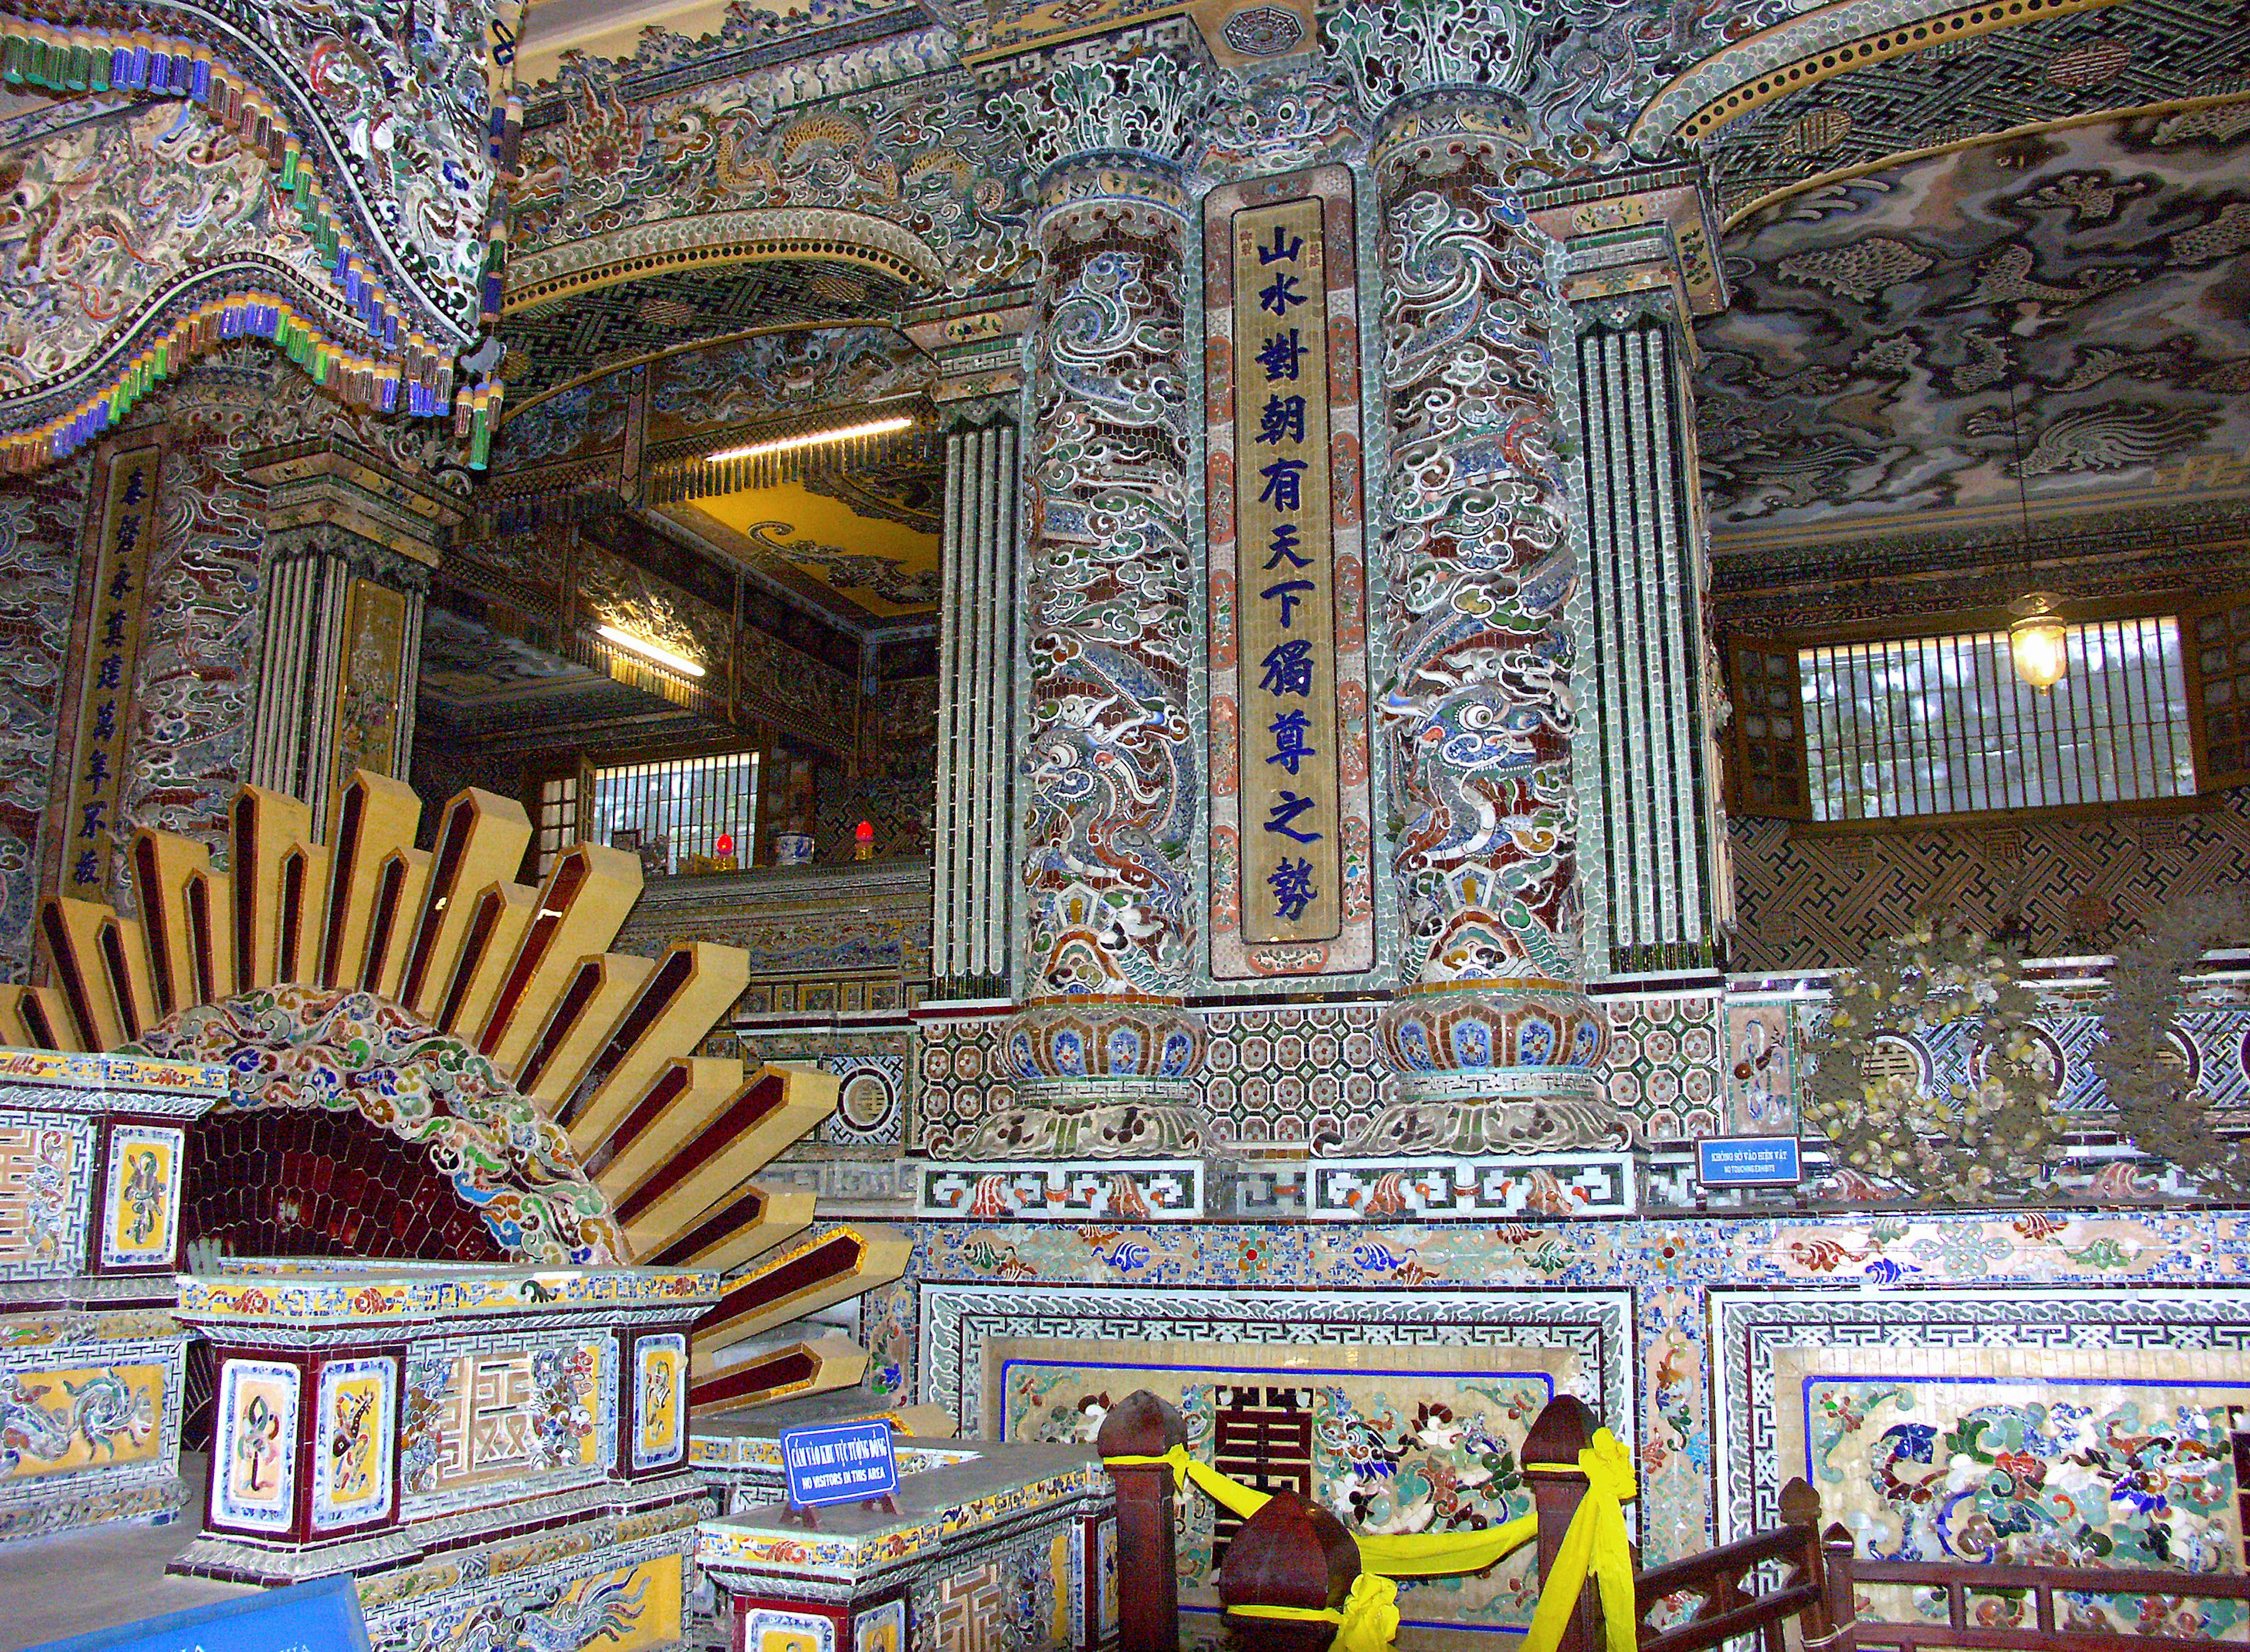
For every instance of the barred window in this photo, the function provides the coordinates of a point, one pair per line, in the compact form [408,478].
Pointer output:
[674,812]
[1943,725]
[558,820]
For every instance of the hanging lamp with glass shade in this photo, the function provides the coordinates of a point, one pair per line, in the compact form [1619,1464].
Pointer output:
[2038,640]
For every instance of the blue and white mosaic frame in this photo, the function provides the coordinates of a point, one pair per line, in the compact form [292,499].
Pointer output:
[326,1515]
[277,1513]
[955,1323]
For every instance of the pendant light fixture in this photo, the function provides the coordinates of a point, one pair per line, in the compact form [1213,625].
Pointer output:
[2038,640]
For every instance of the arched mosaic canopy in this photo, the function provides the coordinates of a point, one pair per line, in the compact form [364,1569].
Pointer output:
[450,1028]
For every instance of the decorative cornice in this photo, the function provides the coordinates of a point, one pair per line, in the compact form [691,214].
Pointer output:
[1808,49]
[1398,49]
[1632,230]
[755,234]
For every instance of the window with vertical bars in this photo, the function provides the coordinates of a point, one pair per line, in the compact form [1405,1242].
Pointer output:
[1943,725]
[558,820]
[675,812]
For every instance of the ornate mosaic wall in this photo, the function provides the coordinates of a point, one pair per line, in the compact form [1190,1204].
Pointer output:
[1771,1316]
[1292,1078]
[39,548]
[280,171]
[194,686]
[194,192]
[1811,900]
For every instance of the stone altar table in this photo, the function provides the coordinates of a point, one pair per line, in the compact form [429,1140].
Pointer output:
[993,1539]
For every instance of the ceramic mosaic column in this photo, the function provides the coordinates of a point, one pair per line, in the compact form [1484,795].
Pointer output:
[1491,1037]
[970,941]
[1636,263]
[351,540]
[1110,786]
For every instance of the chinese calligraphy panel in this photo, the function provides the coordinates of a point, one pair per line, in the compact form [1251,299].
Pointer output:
[1290,820]
[115,597]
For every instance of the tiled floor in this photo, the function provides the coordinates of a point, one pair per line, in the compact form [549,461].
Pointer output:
[101,1579]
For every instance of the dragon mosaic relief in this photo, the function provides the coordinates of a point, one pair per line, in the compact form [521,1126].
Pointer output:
[1112,779]
[1478,715]
[923,159]
[213,165]
[99,215]
[1896,337]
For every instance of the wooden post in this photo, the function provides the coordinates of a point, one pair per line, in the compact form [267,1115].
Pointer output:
[1559,1433]
[1291,1553]
[1838,1553]
[1141,1425]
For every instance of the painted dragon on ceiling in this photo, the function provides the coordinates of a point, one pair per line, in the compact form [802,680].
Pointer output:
[2065,308]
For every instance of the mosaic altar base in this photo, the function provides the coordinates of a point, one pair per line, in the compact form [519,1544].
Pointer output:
[498,1455]
[92,1364]
[738,1455]
[993,1545]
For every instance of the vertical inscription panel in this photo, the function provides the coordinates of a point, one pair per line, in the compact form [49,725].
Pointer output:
[1290,819]
[113,597]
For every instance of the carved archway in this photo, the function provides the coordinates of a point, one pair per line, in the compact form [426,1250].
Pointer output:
[445,1024]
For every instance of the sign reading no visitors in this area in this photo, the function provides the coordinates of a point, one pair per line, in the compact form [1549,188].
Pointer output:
[841,1463]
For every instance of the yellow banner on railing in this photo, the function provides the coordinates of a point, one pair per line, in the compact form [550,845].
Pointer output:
[1595,1542]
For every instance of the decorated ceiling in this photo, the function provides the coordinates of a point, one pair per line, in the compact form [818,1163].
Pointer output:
[478,681]
[2135,54]
[852,532]
[884,566]
[551,344]
[1896,337]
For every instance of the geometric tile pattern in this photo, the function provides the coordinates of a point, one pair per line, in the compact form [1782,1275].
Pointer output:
[1662,1069]
[1815,901]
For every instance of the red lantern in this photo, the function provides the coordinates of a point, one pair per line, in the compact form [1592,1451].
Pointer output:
[726,844]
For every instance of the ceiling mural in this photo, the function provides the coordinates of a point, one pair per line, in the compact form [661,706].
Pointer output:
[2136,54]
[874,568]
[2094,280]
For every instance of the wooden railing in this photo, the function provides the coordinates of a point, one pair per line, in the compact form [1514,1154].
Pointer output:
[1294,1552]
[2038,1585]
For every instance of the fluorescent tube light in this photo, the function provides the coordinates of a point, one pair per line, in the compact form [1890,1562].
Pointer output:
[649,650]
[811,438]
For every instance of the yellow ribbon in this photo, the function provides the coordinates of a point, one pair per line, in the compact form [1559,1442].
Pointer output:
[1368,1622]
[1594,1542]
